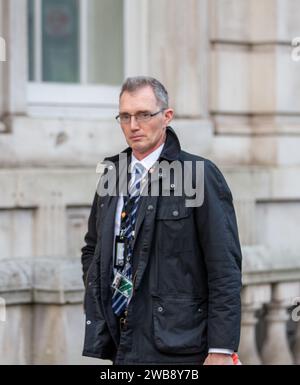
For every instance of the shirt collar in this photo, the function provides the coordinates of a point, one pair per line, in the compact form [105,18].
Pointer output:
[149,160]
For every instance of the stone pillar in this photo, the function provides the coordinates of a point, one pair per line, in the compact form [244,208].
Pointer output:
[49,340]
[253,297]
[15,336]
[14,15]
[248,350]
[254,80]
[51,226]
[178,46]
[276,350]
[2,46]
[136,16]
[58,318]
[15,329]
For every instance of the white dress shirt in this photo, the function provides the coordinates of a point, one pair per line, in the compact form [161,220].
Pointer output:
[148,162]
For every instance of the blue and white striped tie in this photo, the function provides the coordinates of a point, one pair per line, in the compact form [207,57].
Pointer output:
[119,301]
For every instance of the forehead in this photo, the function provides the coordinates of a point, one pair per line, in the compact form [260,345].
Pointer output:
[139,100]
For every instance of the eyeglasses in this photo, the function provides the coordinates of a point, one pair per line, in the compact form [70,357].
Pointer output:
[140,117]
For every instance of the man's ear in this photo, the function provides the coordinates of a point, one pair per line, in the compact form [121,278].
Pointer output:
[169,114]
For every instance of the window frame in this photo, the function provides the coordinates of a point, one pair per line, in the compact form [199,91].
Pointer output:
[74,99]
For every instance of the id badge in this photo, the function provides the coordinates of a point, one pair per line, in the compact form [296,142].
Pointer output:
[119,259]
[123,285]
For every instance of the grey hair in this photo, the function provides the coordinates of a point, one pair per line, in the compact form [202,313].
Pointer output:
[133,84]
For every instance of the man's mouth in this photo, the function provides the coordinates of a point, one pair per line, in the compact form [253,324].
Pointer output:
[138,137]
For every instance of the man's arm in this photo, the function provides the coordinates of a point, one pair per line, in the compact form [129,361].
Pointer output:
[219,241]
[90,240]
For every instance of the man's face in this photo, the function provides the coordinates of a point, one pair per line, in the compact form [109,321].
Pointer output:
[144,137]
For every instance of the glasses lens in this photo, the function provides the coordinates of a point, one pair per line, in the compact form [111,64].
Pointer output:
[143,116]
[124,118]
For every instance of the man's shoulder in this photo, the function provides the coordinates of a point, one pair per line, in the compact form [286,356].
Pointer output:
[187,156]
[210,168]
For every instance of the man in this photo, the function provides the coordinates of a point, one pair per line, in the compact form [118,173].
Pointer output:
[162,279]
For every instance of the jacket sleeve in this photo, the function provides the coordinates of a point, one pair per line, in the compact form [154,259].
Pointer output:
[219,241]
[90,239]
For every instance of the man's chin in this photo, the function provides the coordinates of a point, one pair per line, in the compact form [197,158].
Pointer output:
[140,151]
[138,147]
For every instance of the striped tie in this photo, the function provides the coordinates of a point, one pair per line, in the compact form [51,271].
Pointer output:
[119,301]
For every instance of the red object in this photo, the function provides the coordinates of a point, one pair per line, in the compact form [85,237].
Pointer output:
[235,358]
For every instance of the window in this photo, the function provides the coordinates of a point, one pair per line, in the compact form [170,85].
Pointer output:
[60,41]
[76,41]
[79,52]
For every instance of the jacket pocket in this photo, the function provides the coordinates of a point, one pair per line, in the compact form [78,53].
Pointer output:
[97,340]
[179,325]
[170,210]
[173,226]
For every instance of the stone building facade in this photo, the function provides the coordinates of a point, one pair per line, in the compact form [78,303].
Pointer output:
[234,83]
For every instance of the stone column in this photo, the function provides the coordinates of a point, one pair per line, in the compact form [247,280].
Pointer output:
[276,350]
[58,318]
[3,56]
[15,336]
[178,47]
[15,328]
[49,328]
[136,16]
[248,350]
[14,71]
[254,80]
[51,226]
[253,297]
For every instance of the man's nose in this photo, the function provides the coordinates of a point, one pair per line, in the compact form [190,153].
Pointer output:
[133,123]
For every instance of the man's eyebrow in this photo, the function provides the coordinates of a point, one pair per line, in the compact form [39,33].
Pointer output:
[137,112]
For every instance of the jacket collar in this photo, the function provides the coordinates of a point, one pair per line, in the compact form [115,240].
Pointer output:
[170,151]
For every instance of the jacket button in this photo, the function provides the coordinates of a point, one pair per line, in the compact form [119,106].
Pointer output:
[102,204]
[150,207]
[172,186]
[175,213]
[160,309]
[88,322]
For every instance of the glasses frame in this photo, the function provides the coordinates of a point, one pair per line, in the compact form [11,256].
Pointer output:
[131,115]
